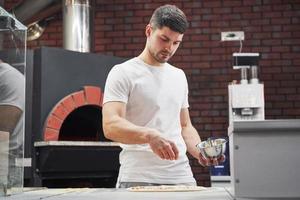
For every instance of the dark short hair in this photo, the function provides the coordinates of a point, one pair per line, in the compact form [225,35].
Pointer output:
[171,17]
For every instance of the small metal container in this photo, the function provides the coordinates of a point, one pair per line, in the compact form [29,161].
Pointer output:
[212,148]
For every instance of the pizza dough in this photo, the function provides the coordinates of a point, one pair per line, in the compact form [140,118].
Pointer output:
[166,188]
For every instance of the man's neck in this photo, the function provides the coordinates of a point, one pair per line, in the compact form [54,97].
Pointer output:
[148,59]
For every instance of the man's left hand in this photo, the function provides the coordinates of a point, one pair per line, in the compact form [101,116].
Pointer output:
[210,161]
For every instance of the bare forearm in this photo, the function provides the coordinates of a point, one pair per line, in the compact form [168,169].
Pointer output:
[118,129]
[9,117]
[191,138]
[121,130]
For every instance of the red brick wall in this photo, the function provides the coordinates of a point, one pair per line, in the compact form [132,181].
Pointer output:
[271,28]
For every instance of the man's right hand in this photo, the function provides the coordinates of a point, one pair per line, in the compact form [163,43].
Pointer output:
[162,147]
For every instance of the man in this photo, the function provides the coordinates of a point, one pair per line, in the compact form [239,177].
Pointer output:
[12,103]
[146,109]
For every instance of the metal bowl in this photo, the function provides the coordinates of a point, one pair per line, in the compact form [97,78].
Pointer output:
[212,148]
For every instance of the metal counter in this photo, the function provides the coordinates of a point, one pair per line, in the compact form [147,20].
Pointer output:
[264,158]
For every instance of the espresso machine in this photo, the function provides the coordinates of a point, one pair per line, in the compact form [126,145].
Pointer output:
[246,97]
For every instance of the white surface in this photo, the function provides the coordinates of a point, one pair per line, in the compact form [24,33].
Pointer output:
[220,178]
[246,54]
[246,96]
[213,193]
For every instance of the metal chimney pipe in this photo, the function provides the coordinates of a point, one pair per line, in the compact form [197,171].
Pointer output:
[77,25]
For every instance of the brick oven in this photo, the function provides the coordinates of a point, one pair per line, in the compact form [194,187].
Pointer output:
[64,119]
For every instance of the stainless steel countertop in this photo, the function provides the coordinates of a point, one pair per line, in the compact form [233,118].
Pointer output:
[212,193]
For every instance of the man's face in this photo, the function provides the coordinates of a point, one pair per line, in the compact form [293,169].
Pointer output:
[162,43]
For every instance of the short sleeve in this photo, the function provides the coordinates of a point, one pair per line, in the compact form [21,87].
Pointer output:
[185,103]
[12,87]
[117,86]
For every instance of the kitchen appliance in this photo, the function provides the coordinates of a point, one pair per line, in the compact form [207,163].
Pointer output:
[68,147]
[246,98]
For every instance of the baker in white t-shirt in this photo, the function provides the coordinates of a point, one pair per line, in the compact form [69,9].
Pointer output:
[145,107]
[12,104]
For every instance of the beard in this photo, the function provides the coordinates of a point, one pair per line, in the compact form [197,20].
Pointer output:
[161,56]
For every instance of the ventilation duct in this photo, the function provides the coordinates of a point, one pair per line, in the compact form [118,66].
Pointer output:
[36,15]
[77,25]
[28,8]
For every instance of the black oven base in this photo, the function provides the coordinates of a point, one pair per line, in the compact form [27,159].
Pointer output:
[72,164]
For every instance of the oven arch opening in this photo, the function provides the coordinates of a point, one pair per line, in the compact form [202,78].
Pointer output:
[83,124]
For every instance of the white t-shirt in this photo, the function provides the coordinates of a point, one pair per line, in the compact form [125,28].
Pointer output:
[154,97]
[12,92]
